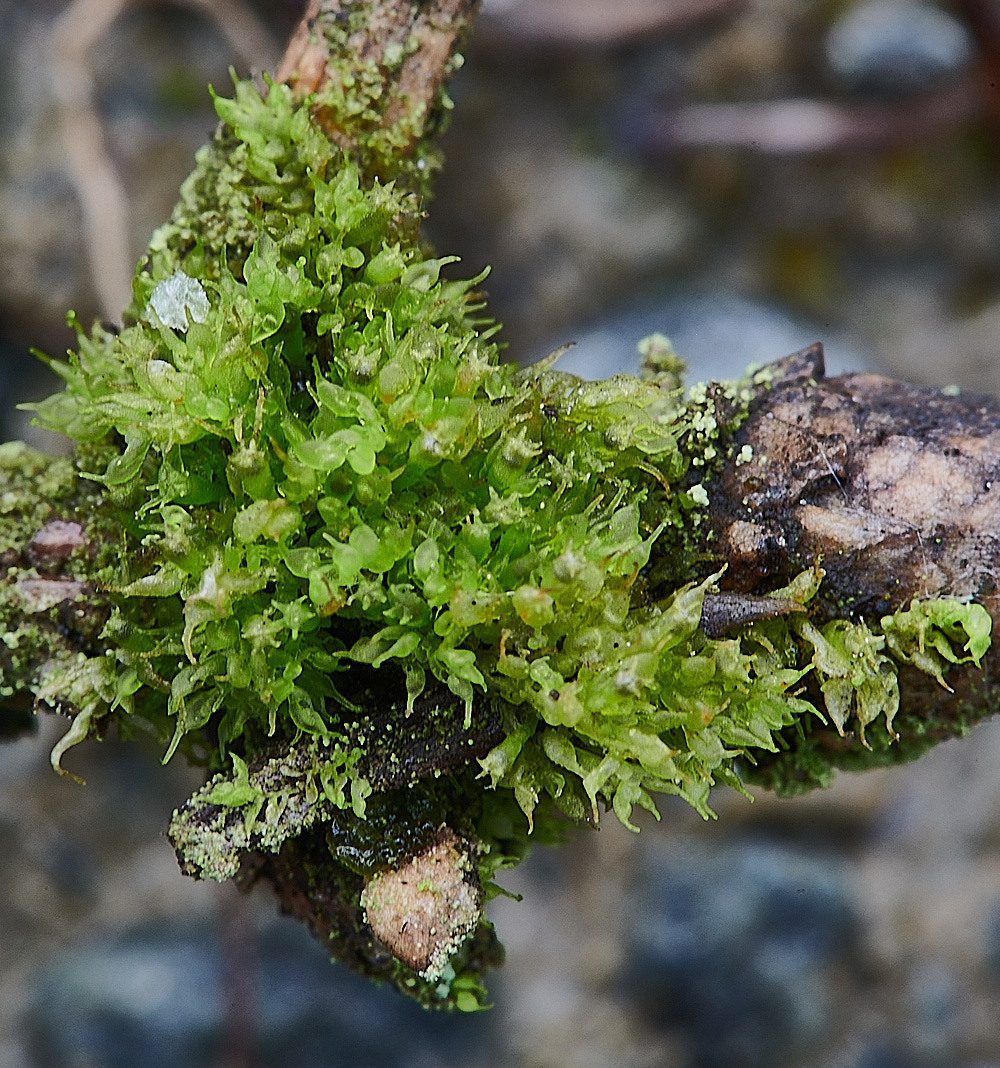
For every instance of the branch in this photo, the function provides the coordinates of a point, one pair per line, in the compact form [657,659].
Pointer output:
[405,52]
[895,489]
[56,542]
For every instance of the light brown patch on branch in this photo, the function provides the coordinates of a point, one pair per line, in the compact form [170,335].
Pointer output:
[41,594]
[303,65]
[427,34]
[425,909]
[895,489]
[435,39]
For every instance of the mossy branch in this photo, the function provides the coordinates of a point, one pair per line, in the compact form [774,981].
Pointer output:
[414,607]
[378,70]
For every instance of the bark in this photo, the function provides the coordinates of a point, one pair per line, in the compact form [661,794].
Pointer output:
[55,540]
[895,490]
[895,487]
[430,32]
[413,48]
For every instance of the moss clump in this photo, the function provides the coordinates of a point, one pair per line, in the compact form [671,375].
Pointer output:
[325,476]
[863,669]
[324,464]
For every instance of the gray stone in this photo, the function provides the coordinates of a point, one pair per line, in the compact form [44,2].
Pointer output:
[718,334]
[155,997]
[896,46]
[736,949]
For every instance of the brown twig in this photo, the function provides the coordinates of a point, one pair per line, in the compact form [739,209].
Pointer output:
[428,35]
[895,490]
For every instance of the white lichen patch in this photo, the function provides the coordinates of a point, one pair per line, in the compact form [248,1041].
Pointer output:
[261,808]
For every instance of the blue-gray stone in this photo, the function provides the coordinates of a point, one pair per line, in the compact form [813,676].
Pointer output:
[717,334]
[887,1054]
[155,997]
[896,46]
[734,949]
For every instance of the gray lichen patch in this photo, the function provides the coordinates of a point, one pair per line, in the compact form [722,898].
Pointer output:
[258,809]
[425,909]
[208,845]
[54,541]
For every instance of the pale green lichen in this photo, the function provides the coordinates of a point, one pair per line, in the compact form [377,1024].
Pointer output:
[280,799]
[50,620]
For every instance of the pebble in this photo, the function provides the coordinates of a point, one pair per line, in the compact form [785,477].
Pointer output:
[736,949]
[892,47]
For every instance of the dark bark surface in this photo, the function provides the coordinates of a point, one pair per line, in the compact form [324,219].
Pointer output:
[894,490]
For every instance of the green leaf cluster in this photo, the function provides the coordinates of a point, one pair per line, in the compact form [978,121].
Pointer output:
[356,543]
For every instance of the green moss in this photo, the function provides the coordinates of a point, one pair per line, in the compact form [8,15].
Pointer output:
[325,477]
[32,487]
[928,636]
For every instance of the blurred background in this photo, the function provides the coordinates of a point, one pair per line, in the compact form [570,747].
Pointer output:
[746,176]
